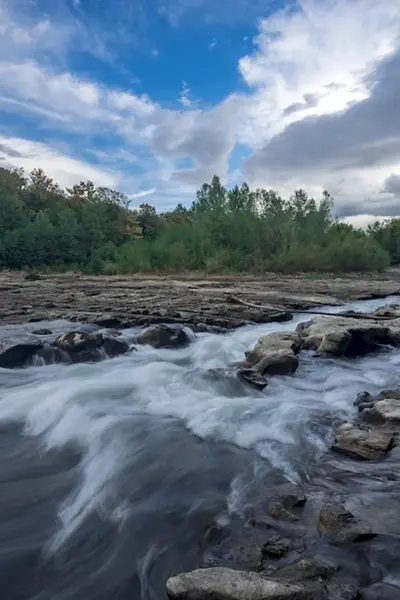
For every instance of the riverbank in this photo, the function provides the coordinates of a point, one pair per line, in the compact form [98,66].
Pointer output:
[226,302]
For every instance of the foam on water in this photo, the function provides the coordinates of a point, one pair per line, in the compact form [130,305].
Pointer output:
[93,404]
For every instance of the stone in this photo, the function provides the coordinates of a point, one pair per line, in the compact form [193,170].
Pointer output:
[274,342]
[253,378]
[337,591]
[305,569]
[341,526]
[381,591]
[281,362]
[114,347]
[383,411]
[18,355]
[32,277]
[219,583]
[341,336]
[42,332]
[163,336]
[78,341]
[275,547]
[362,442]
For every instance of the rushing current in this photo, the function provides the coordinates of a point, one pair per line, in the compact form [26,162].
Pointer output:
[112,473]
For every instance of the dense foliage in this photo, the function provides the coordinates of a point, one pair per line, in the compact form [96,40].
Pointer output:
[94,229]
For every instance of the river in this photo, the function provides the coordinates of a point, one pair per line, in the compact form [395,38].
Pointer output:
[113,473]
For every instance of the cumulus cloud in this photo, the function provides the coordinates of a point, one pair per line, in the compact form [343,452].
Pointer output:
[321,107]
[65,170]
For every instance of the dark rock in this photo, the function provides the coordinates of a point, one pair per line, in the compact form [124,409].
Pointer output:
[227,584]
[342,592]
[238,550]
[42,332]
[305,569]
[362,442]
[32,277]
[252,378]
[78,341]
[114,347]
[18,355]
[381,591]
[275,547]
[163,336]
[382,411]
[362,398]
[341,526]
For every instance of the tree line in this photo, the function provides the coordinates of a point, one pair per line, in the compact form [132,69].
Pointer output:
[94,229]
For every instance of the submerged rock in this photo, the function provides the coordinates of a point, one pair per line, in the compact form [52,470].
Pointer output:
[341,526]
[18,355]
[305,569]
[225,584]
[381,591]
[80,346]
[163,336]
[253,378]
[275,547]
[362,442]
[42,332]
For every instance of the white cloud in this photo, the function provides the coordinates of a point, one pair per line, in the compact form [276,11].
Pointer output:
[212,44]
[184,94]
[315,62]
[141,194]
[65,170]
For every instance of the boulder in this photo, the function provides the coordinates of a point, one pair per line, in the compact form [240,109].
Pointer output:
[341,526]
[219,583]
[78,341]
[18,355]
[163,336]
[341,336]
[275,354]
[362,442]
[253,378]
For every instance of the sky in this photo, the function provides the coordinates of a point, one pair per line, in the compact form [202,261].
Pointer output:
[154,97]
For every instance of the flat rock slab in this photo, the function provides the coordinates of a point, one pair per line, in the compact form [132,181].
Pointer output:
[362,442]
[225,584]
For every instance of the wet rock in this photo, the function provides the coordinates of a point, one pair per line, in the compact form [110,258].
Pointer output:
[114,347]
[305,569]
[382,411]
[253,378]
[348,337]
[343,592]
[18,355]
[241,549]
[163,336]
[362,442]
[78,341]
[281,362]
[286,499]
[274,342]
[275,547]
[225,584]
[42,332]
[341,526]
[381,591]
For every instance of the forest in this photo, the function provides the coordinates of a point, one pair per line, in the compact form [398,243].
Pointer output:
[95,230]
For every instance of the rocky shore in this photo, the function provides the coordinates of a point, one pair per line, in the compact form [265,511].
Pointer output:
[221,302]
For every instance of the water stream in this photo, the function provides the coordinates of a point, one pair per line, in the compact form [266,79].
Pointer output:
[111,474]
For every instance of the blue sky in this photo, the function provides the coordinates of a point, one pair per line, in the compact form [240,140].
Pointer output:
[152,97]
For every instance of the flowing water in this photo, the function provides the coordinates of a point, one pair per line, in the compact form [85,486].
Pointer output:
[112,473]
